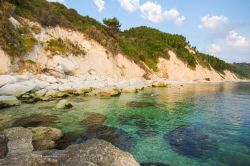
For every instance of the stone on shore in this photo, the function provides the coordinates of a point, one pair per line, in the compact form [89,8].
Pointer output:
[108,92]
[7,79]
[44,138]
[129,90]
[8,101]
[64,104]
[91,153]
[20,140]
[17,89]
[160,84]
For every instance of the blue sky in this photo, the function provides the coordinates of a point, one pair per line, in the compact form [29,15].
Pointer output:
[218,27]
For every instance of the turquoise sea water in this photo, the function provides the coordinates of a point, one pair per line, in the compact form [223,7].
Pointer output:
[193,124]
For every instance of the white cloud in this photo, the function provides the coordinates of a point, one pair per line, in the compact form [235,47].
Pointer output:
[236,40]
[214,49]
[130,5]
[213,22]
[232,47]
[100,4]
[173,14]
[60,1]
[154,13]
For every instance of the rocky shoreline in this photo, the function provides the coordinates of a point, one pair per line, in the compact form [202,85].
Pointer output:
[36,145]
[30,88]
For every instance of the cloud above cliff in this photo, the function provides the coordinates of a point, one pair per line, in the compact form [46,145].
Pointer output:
[100,4]
[129,5]
[154,13]
[213,22]
[236,40]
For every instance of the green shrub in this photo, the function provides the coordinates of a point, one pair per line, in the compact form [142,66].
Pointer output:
[16,42]
[36,29]
[186,57]
[63,47]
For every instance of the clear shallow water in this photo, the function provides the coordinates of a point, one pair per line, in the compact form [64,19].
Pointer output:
[194,124]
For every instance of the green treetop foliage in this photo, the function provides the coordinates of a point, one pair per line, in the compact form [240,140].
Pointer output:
[113,24]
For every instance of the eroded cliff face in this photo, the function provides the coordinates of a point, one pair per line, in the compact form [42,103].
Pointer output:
[175,69]
[98,61]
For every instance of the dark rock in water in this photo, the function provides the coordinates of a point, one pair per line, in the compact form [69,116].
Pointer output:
[91,153]
[46,107]
[191,141]
[93,119]
[234,159]
[3,146]
[35,120]
[153,164]
[139,104]
[145,129]
[132,120]
[117,137]
[67,139]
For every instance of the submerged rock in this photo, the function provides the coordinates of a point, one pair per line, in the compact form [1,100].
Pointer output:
[44,138]
[3,146]
[19,140]
[91,153]
[92,119]
[145,129]
[64,104]
[35,120]
[8,101]
[191,141]
[153,164]
[67,139]
[139,104]
[117,137]
[132,120]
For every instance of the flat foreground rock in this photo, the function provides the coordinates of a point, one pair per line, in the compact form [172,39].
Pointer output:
[91,153]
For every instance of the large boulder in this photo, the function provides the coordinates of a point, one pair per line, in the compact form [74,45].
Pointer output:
[91,153]
[3,146]
[17,89]
[64,104]
[8,101]
[65,64]
[20,140]
[44,138]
